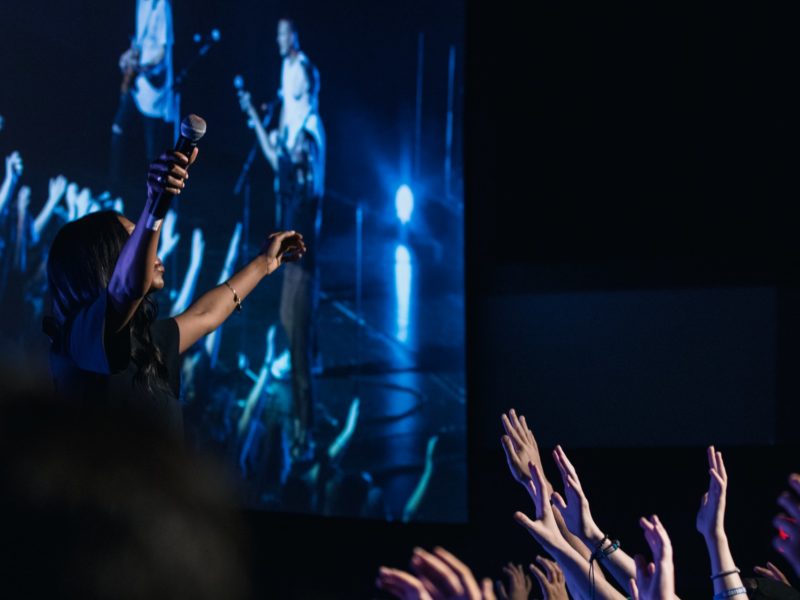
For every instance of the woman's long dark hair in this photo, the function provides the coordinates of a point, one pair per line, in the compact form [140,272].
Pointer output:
[79,267]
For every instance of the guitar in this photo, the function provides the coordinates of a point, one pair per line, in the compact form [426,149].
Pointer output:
[268,146]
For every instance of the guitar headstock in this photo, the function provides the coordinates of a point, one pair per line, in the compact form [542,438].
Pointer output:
[244,96]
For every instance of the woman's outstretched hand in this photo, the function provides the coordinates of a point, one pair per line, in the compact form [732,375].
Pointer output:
[282,247]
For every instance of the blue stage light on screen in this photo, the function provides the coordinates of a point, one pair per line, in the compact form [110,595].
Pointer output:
[404,203]
[402,285]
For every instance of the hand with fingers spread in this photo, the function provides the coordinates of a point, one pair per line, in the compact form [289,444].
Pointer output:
[772,572]
[545,529]
[519,584]
[550,578]
[654,580]
[438,575]
[520,447]
[789,524]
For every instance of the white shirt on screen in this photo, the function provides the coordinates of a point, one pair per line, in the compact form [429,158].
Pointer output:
[153,91]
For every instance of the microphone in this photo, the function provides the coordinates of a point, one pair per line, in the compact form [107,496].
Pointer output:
[192,129]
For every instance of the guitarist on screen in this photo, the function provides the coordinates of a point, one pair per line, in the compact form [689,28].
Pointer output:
[295,149]
[146,93]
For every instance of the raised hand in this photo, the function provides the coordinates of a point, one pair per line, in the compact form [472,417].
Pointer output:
[168,173]
[789,523]
[72,201]
[519,584]
[772,572]
[575,509]
[282,247]
[198,243]
[56,189]
[654,580]
[169,239]
[544,527]
[550,578]
[14,166]
[711,516]
[401,584]
[83,203]
[520,447]
[437,576]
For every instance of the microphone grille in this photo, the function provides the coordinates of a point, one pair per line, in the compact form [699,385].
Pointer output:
[193,128]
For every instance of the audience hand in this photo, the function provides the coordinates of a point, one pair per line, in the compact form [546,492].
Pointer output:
[519,584]
[772,572]
[789,523]
[711,516]
[654,580]
[575,509]
[520,447]
[437,576]
[551,579]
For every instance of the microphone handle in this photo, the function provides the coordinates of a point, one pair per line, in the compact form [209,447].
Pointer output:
[160,207]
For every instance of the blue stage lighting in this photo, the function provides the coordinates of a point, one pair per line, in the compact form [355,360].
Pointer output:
[404,203]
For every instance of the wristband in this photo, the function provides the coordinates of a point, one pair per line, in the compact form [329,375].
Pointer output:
[730,593]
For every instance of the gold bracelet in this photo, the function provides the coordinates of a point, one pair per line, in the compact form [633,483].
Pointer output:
[236,298]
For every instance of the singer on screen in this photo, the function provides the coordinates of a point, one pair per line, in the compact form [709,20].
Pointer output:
[107,344]
[146,93]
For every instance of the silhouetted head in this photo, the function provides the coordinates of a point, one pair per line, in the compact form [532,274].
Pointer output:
[82,260]
[80,265]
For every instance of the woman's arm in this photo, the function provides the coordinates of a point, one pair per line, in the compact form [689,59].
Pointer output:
[133,274]
[210,310]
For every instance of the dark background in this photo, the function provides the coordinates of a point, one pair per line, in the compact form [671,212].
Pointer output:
[608,148]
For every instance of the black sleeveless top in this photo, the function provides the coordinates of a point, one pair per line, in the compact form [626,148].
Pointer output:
[90,367]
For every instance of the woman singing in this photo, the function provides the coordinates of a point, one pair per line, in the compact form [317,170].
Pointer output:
[108,346]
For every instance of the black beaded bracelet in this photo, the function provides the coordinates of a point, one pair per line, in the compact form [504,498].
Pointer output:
[733,571]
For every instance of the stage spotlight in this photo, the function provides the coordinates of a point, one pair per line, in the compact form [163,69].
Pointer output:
[404,203]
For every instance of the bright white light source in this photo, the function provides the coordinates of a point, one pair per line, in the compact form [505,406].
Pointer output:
[402,286]
[404,203]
